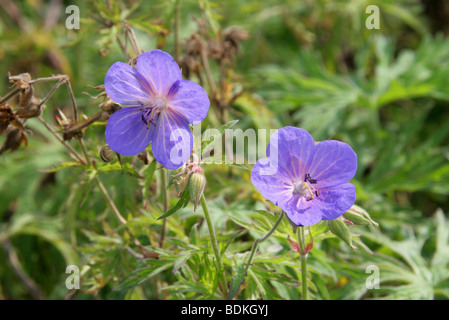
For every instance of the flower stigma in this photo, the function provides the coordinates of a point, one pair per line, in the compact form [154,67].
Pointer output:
[306,190]
[150,112]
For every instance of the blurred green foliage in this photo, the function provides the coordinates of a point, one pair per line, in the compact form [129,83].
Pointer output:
[311,64]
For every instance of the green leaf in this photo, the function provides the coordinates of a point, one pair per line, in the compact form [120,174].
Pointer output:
[181,261]
[209,140]
[64,165]
[139,276]
[238,279]
[126,168]
[182,203]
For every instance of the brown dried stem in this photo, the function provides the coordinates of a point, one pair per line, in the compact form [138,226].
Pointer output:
[68,146]
[9,95]
[83,124]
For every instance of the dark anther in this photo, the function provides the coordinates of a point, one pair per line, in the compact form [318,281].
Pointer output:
[309,178]
[144,120]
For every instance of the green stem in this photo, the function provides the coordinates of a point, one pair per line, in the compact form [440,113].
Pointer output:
[165,200]
[302,255]
[261,239]
[110,201]
[213,240]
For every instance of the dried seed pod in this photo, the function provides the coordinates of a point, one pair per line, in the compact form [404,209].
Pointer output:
[231,43]
[14,138]
[26,96]
[215,50]
[29,105]
[193,45]
[7,117]
[190,63]
[233,36]
[106,154]
[21,80]
[31,109]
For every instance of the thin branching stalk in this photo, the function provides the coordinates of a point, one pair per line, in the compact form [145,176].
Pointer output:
[72,97]
[303,257]
[83,124]
[165,200]
[112,205]
[130,34]
[9,95]
[53,78]
[110,201]
[262,239]
[83,147]
[68,146]
[213,240]
[50,93]
[20,272]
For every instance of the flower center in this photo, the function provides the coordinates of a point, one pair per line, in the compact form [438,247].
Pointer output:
[150,112]
[306,188]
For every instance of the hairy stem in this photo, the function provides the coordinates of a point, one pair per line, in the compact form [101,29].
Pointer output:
[303,257]
[213,240]
[165,200]
[262,239]
[110,201]
[83,147]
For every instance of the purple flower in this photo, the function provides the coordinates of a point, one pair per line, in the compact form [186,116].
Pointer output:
[160,107]
[309,182]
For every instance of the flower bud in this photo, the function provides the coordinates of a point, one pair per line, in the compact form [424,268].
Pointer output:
[106,153]
[144,156]
[341,230]
[109,106]
[197,182]
[359,216]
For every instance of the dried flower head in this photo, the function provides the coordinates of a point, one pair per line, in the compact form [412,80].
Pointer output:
[7,117]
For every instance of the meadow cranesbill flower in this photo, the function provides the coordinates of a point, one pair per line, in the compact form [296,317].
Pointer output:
[159,108]
[309,181]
